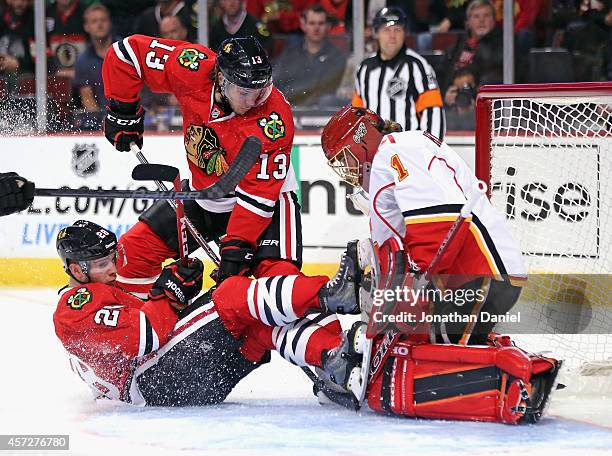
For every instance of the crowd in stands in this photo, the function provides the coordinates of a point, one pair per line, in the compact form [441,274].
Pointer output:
[309,42]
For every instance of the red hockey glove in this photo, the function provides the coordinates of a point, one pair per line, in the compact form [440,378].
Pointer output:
[16,193]
[236,259]
[179,283]
[124,124]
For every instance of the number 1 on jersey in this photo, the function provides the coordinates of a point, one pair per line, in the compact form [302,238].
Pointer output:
[398,166]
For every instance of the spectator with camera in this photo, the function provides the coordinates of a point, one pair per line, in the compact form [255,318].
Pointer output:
[459,100]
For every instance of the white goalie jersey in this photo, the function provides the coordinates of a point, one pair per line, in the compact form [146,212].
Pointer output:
[418,185]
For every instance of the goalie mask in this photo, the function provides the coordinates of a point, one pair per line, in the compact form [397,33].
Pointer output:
[83,243]
[350,140]
[245,73]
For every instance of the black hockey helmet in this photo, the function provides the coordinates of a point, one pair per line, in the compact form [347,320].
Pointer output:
[83,242]
[387,16]
[244,62]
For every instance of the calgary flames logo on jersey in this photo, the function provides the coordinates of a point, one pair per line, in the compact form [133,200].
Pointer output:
[81,297]
[203,149]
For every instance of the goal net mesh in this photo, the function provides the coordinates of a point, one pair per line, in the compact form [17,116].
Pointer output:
[551,175]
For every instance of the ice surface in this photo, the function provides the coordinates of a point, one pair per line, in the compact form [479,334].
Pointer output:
[271,412]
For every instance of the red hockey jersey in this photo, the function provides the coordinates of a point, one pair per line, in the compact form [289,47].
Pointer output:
[212,139]
[108,333]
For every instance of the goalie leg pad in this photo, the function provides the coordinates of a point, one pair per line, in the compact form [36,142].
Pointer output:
[497,384]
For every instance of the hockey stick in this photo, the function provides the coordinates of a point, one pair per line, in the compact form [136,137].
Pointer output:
[160,173]
[160,185]
[249,152]
[480,189]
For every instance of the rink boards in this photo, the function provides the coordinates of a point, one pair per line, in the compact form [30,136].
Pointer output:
[27,250]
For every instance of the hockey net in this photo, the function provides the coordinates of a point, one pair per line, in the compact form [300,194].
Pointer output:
[546,152]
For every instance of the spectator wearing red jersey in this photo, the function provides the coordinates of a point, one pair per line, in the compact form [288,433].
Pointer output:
[66,36]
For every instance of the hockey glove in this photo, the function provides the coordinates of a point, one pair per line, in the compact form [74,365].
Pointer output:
[16,193]
[124,124]
[179,283]
[236,259]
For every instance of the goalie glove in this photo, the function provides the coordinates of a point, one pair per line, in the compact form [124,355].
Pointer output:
[179,284]
[16,193]
[124,124]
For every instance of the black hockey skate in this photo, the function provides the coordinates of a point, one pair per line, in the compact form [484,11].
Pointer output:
[542,386]
[342,365]
[341,293]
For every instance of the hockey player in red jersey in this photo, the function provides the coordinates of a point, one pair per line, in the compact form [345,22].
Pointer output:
[224,98]
[417,186]
[169,351]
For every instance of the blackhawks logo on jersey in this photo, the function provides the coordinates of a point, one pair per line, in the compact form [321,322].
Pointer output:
[81,297]
[273,128]
[190,58]
[203,149]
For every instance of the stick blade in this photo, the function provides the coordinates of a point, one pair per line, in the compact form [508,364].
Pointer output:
[154,171]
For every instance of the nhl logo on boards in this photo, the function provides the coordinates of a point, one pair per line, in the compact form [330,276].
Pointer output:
[396,87]
[190,58]
[85,160]
[79,299]
[273,128]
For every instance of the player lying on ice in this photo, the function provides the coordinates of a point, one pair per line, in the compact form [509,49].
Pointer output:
[417,189]
[170,351]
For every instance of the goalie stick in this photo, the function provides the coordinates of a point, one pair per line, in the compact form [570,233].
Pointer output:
[249,152]
[377,360]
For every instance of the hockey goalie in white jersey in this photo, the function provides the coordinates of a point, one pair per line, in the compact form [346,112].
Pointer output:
[417,187]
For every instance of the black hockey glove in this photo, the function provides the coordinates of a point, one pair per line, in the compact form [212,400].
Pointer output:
[124,124]
[179,283]
[16,193]
[236,259]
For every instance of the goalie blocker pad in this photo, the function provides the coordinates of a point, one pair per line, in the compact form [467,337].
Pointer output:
[498,382]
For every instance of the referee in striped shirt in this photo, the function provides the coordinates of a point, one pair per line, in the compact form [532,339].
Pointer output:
[397,82]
